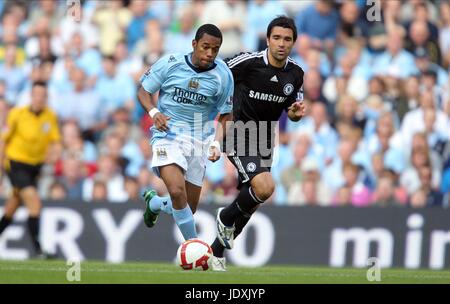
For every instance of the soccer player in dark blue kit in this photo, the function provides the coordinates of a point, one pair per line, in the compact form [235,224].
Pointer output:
[265,84]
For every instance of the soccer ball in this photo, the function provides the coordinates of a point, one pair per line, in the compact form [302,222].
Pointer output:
[194,254]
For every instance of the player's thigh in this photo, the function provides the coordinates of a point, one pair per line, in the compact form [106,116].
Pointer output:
[195,172]
[193,195]
[167,152]
[173,177]
[263,185]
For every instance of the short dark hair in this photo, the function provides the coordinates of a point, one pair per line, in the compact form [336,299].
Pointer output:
[282,21]
[39,83]
[209,29]
[109,57]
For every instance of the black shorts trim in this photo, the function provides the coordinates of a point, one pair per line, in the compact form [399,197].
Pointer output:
[23,175]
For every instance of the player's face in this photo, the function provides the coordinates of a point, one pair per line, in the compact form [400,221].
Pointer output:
[205,50]
[38,98]
[280,43]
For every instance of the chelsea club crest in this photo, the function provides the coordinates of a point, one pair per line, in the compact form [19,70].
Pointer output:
[288,89]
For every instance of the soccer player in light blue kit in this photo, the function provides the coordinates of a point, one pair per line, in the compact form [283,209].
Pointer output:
[193,89]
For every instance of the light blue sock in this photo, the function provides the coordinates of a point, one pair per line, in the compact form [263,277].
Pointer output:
[185,222]
[158,203]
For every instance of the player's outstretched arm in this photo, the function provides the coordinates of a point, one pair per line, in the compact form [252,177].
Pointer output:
[296,111]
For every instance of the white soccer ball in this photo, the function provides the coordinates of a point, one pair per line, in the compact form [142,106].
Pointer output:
[194,254]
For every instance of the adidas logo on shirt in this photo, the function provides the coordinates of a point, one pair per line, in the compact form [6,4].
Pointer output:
[274,78]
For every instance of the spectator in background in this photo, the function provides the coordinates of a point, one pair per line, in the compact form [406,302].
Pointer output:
[344,81]
[57,192]
[224,191]
[424,64]
[127,64]
[112,19]
[229,16]
[374,170]
[409,9]
[74,144]
[151,44]
[384,137]
[320,22]
[83,105]
[73,176]
[259,14]
[12,74]
[70,26]
[311,58]
[47,9]
[179,40]
[351,25]
[146,179]
[418,199]
[115,90]
[99,191]
[420,141]
[414,122]
[312,86]
[395,61]
[411,91]
[300,145]
[41,47]
[360,194]
[384,194]
[333,174]
[311,190]
[348,113]
[132,189]
[410,177]
[444,34]
[137,26]
[343,196]
[324,137]
[433,196]
[86,58]
[108,173]
[419,37]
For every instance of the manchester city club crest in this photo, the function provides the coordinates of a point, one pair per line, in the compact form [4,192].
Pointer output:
[194,84]
[161,153]
[288,89]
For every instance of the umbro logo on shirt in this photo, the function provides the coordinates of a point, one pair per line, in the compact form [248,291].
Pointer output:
[274,78]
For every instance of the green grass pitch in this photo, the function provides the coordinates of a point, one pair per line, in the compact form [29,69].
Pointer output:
[33,271]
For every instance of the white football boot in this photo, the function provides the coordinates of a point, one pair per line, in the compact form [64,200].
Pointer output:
[218,264]
[225,234]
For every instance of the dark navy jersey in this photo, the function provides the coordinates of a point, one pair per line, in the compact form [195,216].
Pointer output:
[262,92]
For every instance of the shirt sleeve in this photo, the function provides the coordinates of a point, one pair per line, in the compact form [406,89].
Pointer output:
[238,64]
[226,98]
[11,123]
[298,95]
[155,76]
[55,135]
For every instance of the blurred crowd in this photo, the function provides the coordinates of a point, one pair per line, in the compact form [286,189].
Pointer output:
[376,83]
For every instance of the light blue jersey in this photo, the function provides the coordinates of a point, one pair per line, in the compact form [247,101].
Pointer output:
[189,96]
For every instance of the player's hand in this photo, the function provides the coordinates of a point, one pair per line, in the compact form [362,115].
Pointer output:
[298,108]
[214,151]
[160,121]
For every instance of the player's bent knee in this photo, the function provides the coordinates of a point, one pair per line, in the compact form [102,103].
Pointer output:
[264,190]
[177,193]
